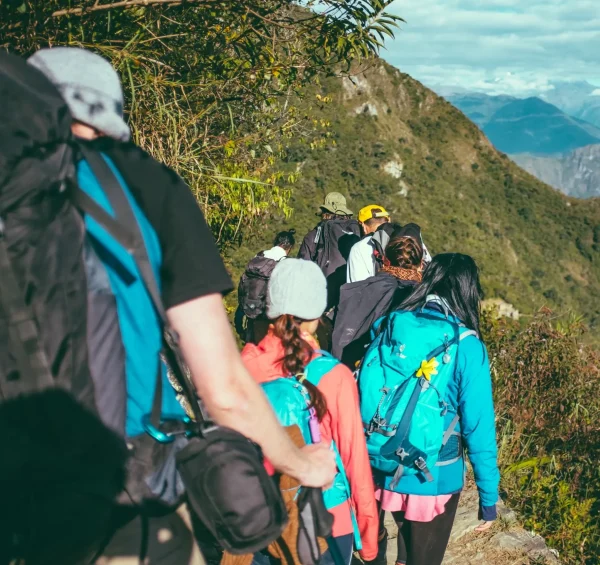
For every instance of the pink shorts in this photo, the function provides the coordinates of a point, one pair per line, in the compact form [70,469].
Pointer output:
[416,508]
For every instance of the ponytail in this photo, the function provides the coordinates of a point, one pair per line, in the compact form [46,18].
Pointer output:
[297,355]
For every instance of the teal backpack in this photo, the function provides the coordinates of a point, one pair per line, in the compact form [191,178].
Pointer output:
[402,382]
[290,401]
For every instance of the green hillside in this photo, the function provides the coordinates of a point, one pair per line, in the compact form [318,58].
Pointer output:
[535,246]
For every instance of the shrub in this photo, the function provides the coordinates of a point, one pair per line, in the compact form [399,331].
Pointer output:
[547,393]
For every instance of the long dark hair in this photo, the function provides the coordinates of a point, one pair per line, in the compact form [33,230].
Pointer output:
[455,278]
[297,354]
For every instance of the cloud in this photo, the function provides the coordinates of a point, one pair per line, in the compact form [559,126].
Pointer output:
[595,92]
[497,46]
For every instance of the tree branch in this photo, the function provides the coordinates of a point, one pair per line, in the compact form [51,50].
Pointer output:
[121,4]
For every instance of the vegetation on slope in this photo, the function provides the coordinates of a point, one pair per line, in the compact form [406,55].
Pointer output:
[211,84]
[535,246]
[547,395]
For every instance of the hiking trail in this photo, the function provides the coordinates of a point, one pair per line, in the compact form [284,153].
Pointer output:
[506,543]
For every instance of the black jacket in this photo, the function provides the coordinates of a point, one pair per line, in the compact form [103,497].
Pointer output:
[361,304]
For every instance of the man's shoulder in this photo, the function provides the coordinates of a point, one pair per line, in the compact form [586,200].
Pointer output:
[362,246]
[312,232]
[137,163]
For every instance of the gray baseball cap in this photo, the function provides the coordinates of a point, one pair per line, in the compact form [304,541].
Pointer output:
[90,86]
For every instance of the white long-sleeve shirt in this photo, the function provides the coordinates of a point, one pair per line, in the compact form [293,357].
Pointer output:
[361,264]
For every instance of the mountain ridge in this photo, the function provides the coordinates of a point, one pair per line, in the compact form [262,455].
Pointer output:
[576,173]
[394,142]
[527,125]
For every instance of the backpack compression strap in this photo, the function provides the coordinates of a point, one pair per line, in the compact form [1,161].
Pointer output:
[25,345]
[125,229]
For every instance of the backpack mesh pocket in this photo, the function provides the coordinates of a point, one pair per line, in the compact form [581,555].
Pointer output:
[452,451]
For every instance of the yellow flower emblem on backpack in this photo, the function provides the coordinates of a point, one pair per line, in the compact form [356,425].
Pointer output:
[427,369]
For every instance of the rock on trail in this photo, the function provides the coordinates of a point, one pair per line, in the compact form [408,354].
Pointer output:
[506,543]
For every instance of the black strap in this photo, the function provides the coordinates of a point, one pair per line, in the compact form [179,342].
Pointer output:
[125,229]
[25,344]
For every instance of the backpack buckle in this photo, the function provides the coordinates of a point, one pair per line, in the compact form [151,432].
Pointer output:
[162,436]
[375,424]
[421,464]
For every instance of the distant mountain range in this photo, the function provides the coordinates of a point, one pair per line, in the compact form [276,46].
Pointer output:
[534,126]
[578,99]
[479,108]
[548,137]
[577,173]
[528,125]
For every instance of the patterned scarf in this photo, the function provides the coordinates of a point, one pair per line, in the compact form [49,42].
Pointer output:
[402,274]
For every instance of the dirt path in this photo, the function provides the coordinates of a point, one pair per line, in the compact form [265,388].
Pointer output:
[507,543]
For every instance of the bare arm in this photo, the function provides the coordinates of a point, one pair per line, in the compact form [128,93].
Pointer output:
[232,397]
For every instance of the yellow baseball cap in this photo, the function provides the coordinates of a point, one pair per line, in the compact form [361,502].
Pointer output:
[372,211]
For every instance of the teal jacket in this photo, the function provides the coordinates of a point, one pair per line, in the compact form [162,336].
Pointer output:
[470,392]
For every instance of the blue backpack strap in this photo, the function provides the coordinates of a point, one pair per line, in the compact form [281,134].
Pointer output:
[340,466]
[320,366]
[125,229]
[314,372]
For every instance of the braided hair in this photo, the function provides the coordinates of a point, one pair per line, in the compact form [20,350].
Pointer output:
[297,354]
[404,252]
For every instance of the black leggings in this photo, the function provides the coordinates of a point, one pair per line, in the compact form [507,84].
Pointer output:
[424,543]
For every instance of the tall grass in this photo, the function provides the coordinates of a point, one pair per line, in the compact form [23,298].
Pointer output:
[547,393]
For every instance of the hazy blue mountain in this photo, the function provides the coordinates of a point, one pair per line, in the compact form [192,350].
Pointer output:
[479,108]
[570,97]
[590,110]
[537,127]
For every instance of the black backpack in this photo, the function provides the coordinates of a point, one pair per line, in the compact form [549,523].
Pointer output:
[61,467]
[334,239]
[62,470]
[252,291]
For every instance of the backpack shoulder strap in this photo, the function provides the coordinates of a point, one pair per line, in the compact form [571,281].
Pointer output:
[125,229]
[320,366]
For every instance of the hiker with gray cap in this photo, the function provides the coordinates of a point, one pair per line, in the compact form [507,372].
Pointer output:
[192,274]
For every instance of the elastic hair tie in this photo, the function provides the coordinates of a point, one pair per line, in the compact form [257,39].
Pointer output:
[301,377]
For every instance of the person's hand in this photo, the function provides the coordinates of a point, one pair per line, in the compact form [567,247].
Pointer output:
[319,468]
[484,527]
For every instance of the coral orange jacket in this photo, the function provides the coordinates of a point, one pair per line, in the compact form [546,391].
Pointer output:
[343,424]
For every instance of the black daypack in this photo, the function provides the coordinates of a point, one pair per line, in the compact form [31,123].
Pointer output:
[334,239]
[252,291]
[61,467]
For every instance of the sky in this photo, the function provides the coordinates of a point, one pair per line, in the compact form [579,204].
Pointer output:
[516,47]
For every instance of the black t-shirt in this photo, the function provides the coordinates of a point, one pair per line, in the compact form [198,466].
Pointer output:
[191,265]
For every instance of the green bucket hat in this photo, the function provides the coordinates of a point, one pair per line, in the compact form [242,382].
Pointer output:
[335,203]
